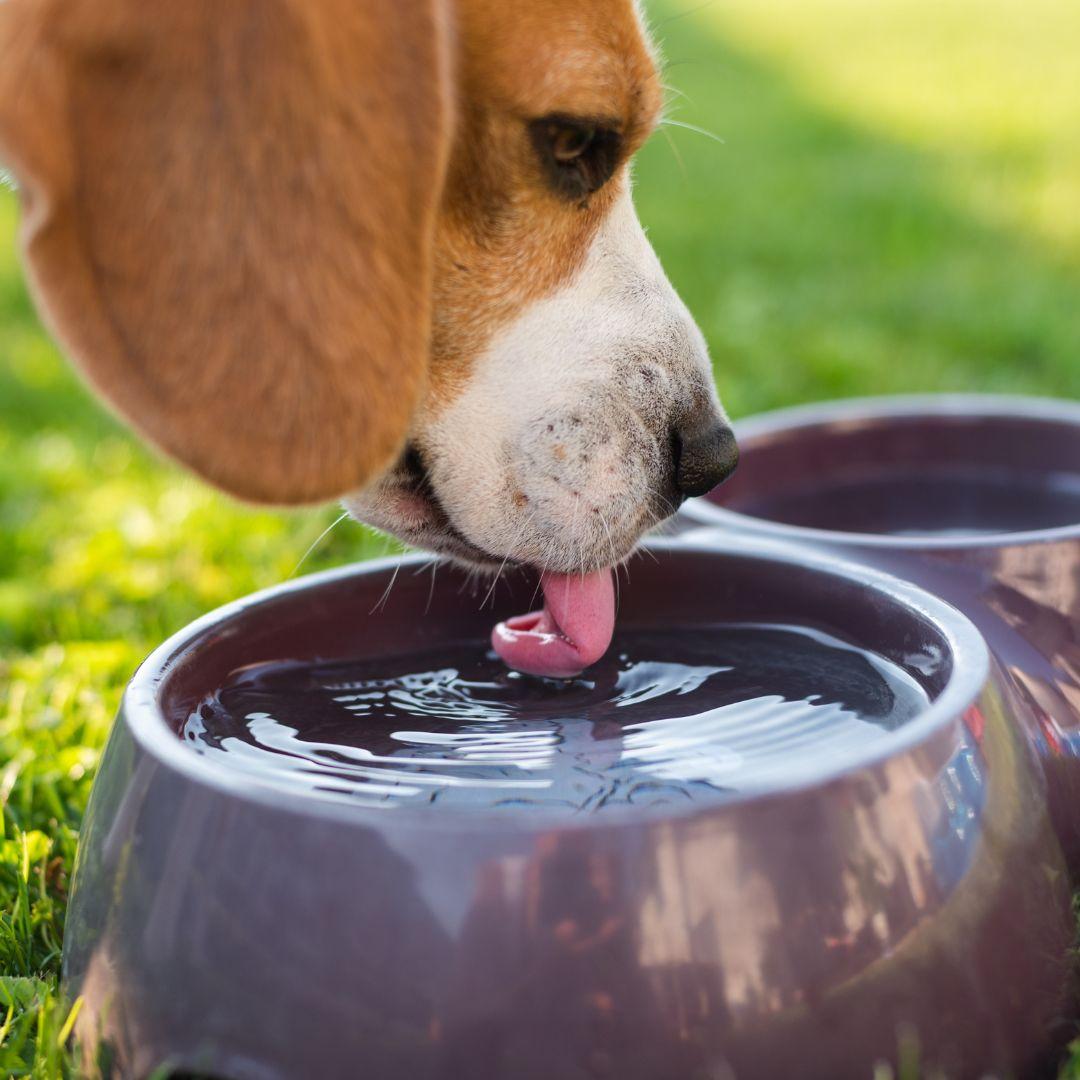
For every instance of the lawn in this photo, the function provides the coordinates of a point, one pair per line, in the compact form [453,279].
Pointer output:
[891,203]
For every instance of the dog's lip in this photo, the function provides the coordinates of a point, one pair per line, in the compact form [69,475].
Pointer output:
[438,532]
[413,476]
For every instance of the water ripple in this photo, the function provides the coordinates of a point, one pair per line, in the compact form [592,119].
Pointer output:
[668,717]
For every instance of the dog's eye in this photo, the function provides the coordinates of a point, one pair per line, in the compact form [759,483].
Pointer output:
[578,156]
[569,142]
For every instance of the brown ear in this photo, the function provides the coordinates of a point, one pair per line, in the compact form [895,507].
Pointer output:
[229,208]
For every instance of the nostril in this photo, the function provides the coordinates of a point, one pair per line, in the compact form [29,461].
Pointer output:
[703,456]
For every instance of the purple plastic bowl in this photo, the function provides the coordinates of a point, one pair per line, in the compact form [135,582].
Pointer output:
[974,497]
[912,894]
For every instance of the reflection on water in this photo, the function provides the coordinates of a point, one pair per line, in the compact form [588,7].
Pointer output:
[668,718]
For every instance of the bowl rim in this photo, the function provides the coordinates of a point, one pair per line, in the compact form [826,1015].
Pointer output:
[140,712]
[701,511]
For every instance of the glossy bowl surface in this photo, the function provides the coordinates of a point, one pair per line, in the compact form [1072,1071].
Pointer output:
[808,475]
[235,927]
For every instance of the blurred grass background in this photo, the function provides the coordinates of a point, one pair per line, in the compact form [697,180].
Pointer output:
[895,206]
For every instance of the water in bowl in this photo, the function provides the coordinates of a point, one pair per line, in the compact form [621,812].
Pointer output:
[668,718]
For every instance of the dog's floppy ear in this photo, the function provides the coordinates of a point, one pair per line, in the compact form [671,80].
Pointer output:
[228,218]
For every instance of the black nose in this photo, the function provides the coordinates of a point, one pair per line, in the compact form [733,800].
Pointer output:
[705,453]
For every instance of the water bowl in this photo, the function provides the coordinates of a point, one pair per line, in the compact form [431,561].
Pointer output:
[790,818]
[976,498]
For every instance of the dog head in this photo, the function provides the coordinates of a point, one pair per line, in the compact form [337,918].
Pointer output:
[315,248]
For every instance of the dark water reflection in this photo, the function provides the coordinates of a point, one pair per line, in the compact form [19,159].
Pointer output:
[667,718]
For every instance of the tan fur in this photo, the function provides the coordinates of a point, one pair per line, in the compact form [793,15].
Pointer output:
[504,238]
[267,230]
[229,209]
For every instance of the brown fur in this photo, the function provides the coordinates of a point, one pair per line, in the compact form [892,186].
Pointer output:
[503,237]
[256,225]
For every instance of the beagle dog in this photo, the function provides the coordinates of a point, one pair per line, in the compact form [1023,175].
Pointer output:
[376,250]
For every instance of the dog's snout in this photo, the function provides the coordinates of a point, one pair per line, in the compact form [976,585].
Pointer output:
[705,454]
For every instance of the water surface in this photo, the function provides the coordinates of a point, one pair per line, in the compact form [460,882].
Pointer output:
[668,717]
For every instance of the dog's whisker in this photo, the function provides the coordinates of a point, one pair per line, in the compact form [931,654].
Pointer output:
[573,531]
[473,580]
[317,541]
[618,584]
[549,547]
[431,587]
[684,62]
[379,604]
[529,521]
[642,550]
[536,589]
[614,561]
[669,89]
[494,581]
[668,505]
[675,152]
[465,580]
[684,14]
[668,122]
[610,539]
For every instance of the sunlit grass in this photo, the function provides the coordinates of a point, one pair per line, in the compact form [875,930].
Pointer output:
[866,227]
[893,207]
[991,88]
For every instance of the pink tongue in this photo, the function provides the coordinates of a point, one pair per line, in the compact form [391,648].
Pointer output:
[571,632]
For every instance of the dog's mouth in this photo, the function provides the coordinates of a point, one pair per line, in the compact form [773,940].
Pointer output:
[428,524]
[574,627]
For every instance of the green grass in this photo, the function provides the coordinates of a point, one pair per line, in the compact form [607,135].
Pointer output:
[895,206]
